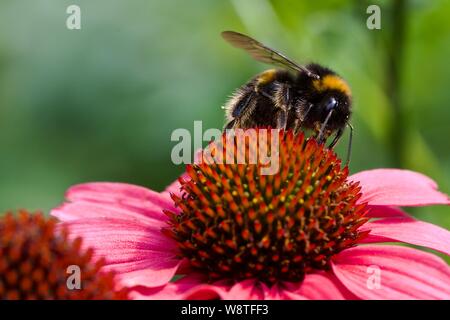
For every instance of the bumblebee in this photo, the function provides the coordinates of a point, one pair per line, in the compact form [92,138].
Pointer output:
[294,97]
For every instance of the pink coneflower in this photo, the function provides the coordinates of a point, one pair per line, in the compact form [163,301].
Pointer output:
[306,232]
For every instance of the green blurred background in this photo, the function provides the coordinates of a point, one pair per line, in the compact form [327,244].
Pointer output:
[99,104]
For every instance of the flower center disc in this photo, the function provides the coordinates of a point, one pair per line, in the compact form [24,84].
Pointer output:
[238,223]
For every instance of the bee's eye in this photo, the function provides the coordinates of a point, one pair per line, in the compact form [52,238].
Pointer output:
[331,104]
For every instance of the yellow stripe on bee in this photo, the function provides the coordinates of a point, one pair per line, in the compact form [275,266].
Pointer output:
[266,77]
[332,82]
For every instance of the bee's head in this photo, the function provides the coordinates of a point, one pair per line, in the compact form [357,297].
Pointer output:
[331,93]
[337,102]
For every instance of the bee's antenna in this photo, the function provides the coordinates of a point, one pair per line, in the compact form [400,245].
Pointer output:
[322,129]
[349,149]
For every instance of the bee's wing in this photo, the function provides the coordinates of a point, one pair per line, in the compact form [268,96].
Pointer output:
[263,53]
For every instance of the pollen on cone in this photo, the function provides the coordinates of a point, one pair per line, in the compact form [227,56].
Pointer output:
[39,262]
[238,223]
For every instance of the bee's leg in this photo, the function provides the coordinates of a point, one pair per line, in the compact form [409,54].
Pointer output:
[336,138]
[281,119]
[282,113]
[282,100]
[303,116]
[280,96]
[297,125]
[239,107]
[302,109]
[321,137]
[349,149]
[242,103]
[230,124]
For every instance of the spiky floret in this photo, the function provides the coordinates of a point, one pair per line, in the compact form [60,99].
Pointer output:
[34,261]
[236,223]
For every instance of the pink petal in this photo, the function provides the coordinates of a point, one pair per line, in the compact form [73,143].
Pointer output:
[386,212]
[283,291]
[322,286]
[140,253]
[87,210]
[134,199]
[404,273]
[192,287]
[408,230]
[393,187]
[314,286]
[254,290]
[247,290]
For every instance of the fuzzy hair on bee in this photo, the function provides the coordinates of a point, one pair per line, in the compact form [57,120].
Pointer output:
[294,97]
